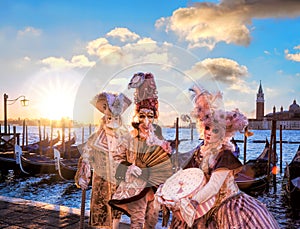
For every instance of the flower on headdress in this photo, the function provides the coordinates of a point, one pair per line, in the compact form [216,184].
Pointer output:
[208,112]
[235,121]
[205,103]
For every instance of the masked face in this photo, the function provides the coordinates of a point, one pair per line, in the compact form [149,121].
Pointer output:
[146,118]
[111,121]
[212,134]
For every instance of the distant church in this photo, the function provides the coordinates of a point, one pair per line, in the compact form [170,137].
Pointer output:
[289,119]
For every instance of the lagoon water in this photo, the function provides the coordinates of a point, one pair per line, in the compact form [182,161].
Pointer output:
[50,189]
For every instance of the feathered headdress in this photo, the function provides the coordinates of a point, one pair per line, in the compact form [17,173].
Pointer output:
[208,111]
[235,121]
[145,95]
[206,104]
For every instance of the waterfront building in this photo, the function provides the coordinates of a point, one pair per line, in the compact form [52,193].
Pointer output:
[288,119]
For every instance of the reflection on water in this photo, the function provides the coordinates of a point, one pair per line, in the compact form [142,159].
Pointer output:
[51,189]
[45,188]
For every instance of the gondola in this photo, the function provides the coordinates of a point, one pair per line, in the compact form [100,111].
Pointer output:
[292,186]
[34,164]
[34,147]
[66,168]
[43,146]
[43,162]
[8,162]
[8,158]
[253,179]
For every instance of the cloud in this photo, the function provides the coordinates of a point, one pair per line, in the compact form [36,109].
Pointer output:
[223,70]
[205,24]
[123,34]
[293,57]
[146,40]
[29,31]
[100,47]
[79,61]
[27,58]
[142,49]
[82,61]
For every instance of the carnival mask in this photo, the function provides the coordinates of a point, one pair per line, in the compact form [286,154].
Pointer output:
[212,134]
[113,122]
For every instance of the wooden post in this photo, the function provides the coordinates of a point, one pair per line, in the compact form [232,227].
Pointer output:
[245,145]
[82,135]
[51,137]
[192,130]
[177,143]
[69,145]
[280,135]
[269,158]
[90,129]
[23,135]
[15,137]
[40,137]
[44,134]
[274,156]
[26,130]
[40,131]
[274,133]
[69,130]
[63,137]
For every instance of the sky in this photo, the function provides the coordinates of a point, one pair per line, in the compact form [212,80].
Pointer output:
[59,54]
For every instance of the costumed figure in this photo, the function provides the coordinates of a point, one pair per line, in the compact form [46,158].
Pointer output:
[149,160]
[231,208]
[102,153]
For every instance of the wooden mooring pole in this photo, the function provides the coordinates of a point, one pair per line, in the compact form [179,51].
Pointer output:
[40,137]
[69,146]
[177,143]
[26,131]
[63,137]
[274,169]
[269,158]
[51,136]
[15,139]
[245,145]
[82,135]
[23,134]
[44,132]
[280,145]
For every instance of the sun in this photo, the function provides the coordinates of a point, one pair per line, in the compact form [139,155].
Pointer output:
[57,103]
[54,95]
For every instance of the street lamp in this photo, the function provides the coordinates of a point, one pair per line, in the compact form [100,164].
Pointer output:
[187,118]
[24,102]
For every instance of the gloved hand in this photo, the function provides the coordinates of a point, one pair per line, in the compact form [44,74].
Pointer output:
[134,170]
[84,175]
[83,183]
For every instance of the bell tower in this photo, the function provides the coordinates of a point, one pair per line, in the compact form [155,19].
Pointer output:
[260,103]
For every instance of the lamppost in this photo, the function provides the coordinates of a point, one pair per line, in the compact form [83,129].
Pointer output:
[23,101]
[187,118]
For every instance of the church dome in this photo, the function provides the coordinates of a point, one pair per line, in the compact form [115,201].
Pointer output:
[294,107]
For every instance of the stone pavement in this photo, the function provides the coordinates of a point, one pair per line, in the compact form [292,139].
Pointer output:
[18,213]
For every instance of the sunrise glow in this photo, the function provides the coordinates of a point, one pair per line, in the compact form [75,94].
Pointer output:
[54,98]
